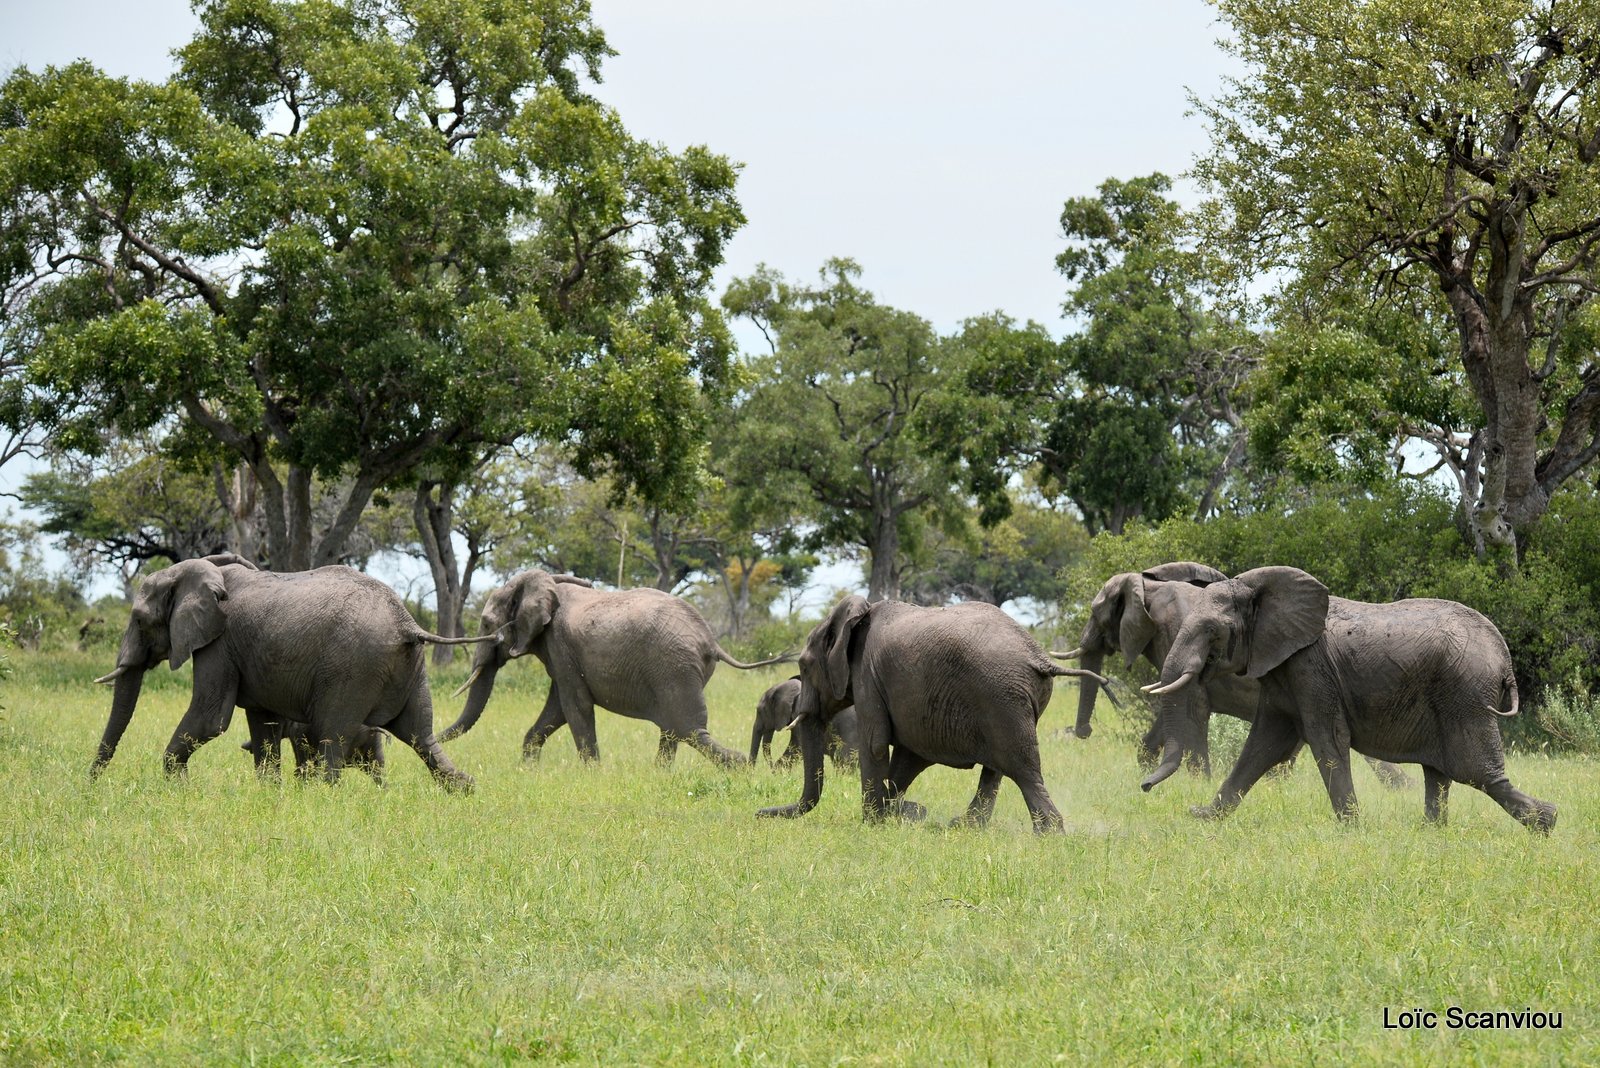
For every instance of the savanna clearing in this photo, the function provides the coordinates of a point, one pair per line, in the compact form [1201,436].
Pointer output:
[623,914]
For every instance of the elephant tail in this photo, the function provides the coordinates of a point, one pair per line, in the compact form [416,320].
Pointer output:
[1081,673]
[1508,689]
[420,636]
[781,658]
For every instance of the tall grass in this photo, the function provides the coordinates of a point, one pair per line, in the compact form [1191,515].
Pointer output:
[621,913]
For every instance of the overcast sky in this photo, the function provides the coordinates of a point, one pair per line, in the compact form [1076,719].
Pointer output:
[932,145]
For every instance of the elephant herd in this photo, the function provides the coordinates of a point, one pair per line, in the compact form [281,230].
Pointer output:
[331,661]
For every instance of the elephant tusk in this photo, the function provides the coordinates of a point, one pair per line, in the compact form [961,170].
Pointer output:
[1070,654]
[107,680]
[465,686]
[1176,684]
[790,725]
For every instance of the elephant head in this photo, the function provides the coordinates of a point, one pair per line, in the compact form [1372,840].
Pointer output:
[176,612]
[1127,615]
[516,615]
[1247,625]
[825,690]
[776,711]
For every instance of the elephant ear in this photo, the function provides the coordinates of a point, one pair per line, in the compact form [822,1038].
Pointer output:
[1120,609]
[1186,571]
[534,602]
[197,618]
[1288,611]
[847,615]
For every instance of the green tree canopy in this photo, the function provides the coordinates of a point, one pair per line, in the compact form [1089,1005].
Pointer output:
[835,414]
[1450,152]
[351,238]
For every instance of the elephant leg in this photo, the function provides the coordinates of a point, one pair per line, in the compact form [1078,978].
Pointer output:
[904,767]
[1329,741]
[414,726]
[1530,811]
[666,749]
[714,750]
[1435,795]
[1273,739]
[330,752]
[981,808]
[577,707]
[367,753]
[1029,777]
[210,711]
[266,744]
[551,719]
[306,752]
[874,776]
[1390,775]
[790,754]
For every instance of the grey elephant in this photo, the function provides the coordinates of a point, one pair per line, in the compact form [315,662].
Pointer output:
[640,653]
[777,710]
[958,686]
[331,648]
[1418,681]
[268,733]
[1140,614]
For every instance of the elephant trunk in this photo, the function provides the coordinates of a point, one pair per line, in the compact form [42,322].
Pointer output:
[812,732]
[760,739]
[1171,757]
[1088,690]
[123,700]
[1182,728]
[477,698]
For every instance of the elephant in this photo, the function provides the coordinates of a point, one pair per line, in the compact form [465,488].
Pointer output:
[267,735]
[1140,614]
[1419,681]
[331,648]
[776,711]
[640,653]
[957,686]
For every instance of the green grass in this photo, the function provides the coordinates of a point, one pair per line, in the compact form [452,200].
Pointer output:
[622,914]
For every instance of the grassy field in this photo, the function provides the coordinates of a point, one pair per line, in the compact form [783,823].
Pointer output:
[623,914]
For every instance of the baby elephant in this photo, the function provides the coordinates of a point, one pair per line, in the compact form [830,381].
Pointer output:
[956,686]
[267,735]
[777,712]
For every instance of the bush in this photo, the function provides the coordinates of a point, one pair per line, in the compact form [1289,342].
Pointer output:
[1403,541]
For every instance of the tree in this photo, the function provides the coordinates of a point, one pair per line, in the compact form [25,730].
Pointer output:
[1449,152]
[130,505]
[1023,556]
[351,240]
[834,413]
[1155,425]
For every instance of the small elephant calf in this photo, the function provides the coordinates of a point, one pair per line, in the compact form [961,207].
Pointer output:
[268,734]
[777,711]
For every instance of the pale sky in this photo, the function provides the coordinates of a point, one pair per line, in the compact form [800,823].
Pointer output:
[932,144]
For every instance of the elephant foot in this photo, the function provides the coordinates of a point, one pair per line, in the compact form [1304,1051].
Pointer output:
[1391,777]
[458,783]
[1206,812]
[1542,819]
[784,812]
[910,811]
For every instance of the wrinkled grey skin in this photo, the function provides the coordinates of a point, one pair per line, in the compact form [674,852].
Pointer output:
[1140,615]
[777,709]
[1419,681]
[331,648]
[957,686]
[267,735]
[640,653]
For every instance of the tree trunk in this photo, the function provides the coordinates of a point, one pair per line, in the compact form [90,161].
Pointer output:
[435,520]
[883,581]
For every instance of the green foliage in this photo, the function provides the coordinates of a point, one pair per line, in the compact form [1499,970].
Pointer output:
[622,914]
[38,606]
[350,240]
[1022,556]
[1397,541]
